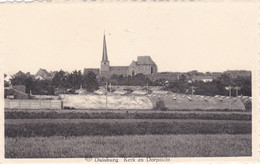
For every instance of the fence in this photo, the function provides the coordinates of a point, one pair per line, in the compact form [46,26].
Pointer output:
[33,104]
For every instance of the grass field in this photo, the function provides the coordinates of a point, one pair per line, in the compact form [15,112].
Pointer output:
[129,146]
[109,127]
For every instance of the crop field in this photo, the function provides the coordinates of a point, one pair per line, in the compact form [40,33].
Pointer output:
[129,146]
[119,114]
[80,133]
[104,127]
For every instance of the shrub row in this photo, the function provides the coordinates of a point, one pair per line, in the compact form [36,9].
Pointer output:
[127,128]
[126,115]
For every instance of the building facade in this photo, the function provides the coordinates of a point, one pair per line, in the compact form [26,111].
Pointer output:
[144,65]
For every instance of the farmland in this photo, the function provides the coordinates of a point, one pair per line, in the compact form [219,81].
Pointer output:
[124,114]
[81,127]
[119,133]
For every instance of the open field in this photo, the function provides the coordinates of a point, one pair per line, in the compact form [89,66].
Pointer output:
[130,146]
[104,127]
[123,114]
[122,133]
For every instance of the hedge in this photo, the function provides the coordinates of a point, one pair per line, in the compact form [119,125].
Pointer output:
[127,115]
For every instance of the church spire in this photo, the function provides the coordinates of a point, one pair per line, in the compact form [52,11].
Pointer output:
[104,55]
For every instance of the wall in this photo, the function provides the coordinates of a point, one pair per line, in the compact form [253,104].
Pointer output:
[144,69]
[118,70]
[104,66]
[32,104]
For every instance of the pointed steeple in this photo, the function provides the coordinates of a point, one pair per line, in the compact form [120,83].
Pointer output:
[104,55]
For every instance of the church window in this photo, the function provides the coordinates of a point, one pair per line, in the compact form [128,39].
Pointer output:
[133,72]
[151,69]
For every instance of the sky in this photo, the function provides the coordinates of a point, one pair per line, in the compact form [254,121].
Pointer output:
[179,37]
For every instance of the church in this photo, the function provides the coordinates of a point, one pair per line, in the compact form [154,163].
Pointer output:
[144,65]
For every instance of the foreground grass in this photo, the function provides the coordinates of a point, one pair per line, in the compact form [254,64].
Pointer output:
[110,127]
[129,146]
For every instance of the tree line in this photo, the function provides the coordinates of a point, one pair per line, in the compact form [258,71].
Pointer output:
[74,80]
[185,86]
[61,79]
[215,87]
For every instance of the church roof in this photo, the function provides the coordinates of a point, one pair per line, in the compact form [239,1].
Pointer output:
[134,63]
[104,55]
[144,60]
[112,68]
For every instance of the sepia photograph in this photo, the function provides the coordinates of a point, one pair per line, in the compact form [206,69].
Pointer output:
[108,81]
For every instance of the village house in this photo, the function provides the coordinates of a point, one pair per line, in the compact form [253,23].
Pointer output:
[43,74]
[236,73]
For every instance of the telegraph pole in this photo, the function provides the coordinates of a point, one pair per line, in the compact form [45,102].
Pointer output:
[230,91]
[192,90]
[192,87]
[237,89]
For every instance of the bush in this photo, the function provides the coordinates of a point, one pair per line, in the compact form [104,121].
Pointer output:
[160,105]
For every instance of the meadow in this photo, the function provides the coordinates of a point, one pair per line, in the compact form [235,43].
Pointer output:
[208,145]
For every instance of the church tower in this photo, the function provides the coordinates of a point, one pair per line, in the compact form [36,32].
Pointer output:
[104,62]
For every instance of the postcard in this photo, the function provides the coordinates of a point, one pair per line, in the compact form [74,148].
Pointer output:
[129,81]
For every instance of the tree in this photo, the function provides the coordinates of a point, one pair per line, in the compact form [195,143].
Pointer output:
[136,80]
[139,80]
[6,84]
[22,79]
[225,79]
[215,87]
[43,87]
[246,85]
[180,86]
[90,82]
[182,78]
[36,86]
[75,79]
[59,80]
